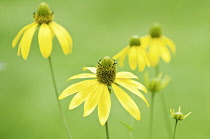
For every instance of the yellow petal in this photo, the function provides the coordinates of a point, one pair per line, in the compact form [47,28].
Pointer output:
[84,75]
[170,44]
[93,99]
[121,55]
[17,37]
[165,54]
[61,38]
[81,96]
[68,36]
[145,41]
[75,88]
[92,69]
[125,75]
[132,57]
[141,59]
[126,102]
[132,89]
[104,106]
[134,84]
[27,39]
[154,53]
[45,40]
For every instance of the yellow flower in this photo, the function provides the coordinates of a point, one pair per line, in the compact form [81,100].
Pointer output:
[179,115]
[136,54]
[96,92]
[157,45]
[48,29]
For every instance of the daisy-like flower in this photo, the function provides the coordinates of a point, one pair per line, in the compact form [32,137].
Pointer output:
[178,115]
[48,29]
[95,92]
[136,54]
[158,46]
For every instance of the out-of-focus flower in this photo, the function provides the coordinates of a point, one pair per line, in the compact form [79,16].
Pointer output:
[43,18]
[97,91]
[136,54]
[178,115]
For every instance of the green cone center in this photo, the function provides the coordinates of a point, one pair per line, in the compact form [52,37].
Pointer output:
[135,41]
[155,31]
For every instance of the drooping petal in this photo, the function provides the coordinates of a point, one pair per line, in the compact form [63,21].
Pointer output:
[61,38]
[125,75]
[93,99]
[145,41]
[141,59]
[133,84]
[132,89]
[170,44]
[92,69]
[126,102]
[104,106]
[164,53]
[27,39]
[154,53]
[74,88]
[132,57]
[68,36]
[81,96]
[20,33]
[45,40]
[121,55]
[83,75]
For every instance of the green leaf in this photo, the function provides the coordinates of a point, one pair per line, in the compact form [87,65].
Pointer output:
[127,126]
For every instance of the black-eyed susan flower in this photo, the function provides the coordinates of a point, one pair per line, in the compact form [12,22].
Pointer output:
[178,115]
[43,19]
[95,92]
[136,54]
[158,46]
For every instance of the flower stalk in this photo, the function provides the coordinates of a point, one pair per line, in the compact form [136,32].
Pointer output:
[58,102]
[175,129]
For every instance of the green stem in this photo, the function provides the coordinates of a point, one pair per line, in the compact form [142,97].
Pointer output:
[151,116]
[58,102]
[157,70]
[175,128]
[107,130]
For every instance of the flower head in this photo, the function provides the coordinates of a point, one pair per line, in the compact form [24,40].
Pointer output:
[95,92]
[178,115]
[136,54]
[158,46]
[156,84]
[43,18]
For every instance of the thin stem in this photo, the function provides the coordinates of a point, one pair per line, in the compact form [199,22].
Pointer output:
[151,116]
[175,128]
[107,130]
[58,102]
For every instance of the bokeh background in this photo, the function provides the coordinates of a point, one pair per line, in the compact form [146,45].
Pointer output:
[102,28]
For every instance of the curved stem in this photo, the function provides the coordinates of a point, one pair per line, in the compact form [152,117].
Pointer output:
[175,129]
[151,116]
[107,130]
[59,105]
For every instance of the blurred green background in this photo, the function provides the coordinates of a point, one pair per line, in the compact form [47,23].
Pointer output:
[102,28]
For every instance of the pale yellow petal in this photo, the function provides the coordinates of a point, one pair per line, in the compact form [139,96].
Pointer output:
[61,38]
[126,102]
[145,41]
[81,96]
[170,44]
[121,56]
[92,69]
[132,57]
[104,106]
[93,99]
[141,59]
[126,75]
[74,88]
[27,39]
[45,40]
[154,53]
[83,75]
[68,36]
[20,33]
[132,89]
[164,52]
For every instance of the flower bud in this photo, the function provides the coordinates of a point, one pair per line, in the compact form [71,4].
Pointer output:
[178,115]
